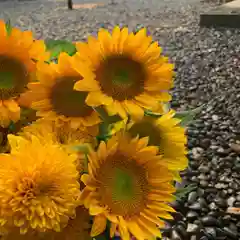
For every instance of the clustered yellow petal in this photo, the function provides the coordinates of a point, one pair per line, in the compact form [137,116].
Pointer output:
[61,132]
[102,152]
[39,186]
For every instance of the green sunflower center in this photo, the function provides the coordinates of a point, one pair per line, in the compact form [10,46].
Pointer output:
[121,77]
[146,128]
[6,80]
[13,77]
[123,185]
[68,102]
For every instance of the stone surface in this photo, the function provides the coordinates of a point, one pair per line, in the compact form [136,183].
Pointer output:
[227,15]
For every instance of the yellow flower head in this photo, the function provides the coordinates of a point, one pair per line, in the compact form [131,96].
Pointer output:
[54,97]
[39,186]
[78,140]
[14,234]
[18,54]
[129,74]
[129,185]
[78,228]
[62,133]
[166,133]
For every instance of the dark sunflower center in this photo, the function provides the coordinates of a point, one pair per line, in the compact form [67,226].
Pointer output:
[123,185]
[68,102]
[121,77]
[146,129]
[13,77]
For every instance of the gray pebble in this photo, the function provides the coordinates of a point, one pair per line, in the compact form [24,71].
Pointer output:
[192,228]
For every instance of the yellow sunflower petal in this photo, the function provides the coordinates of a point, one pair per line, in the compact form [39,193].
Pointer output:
[119,108]
[3,32]
[95,210]
[37,49]
[99,225]
[136,230]
[84,85]
[134,110]
[11,105]
[149,227]
[113,229]
[96,99]
[123,38]
[123,229]
[105,40]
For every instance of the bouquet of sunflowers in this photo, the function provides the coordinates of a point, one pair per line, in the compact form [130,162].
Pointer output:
[89,147]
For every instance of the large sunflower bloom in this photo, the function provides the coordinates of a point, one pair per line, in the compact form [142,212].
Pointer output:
[166,133]
[39,188]
[128,72]
[128,185]
[54,97]
[18,54]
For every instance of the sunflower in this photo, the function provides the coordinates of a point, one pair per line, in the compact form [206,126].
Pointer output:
[54,97]
[14,234]
[78,140]
[129,74]
[39,188]
[128,185]
[62,133]
[78,228]
[166,133]
[18,54]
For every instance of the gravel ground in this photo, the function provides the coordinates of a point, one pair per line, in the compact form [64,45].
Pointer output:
[208,71]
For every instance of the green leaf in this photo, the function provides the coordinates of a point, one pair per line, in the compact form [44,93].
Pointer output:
[84,148]
[11,126]
[188,116]
[182,192]
[166,107]
[58,46]
[8,27]
[152,114]
[105,117]
[104,133]
[27,112]
[105,126]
